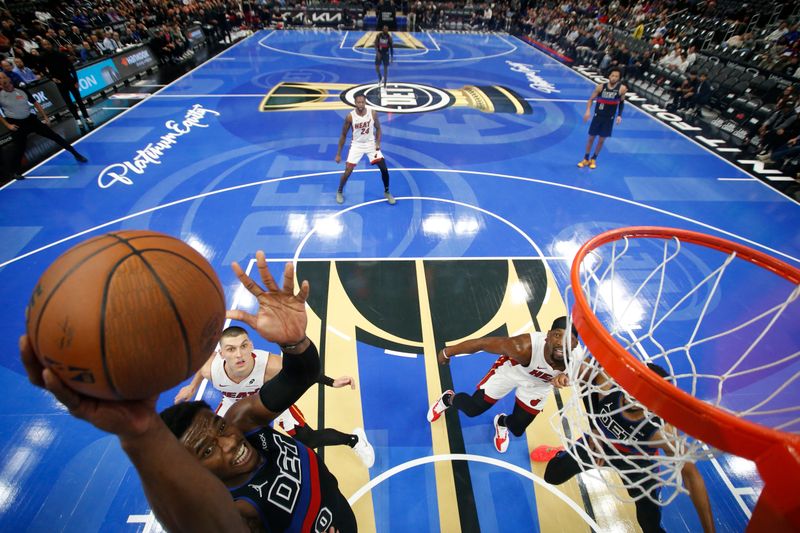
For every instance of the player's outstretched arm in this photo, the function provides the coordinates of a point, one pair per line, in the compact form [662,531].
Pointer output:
[187,393]
[697,491]
[343,381]
[517,348]
[300,371]
[175,483]
[282,319]
[692,479]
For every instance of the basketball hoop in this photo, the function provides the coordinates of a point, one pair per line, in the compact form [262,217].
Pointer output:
[723,320]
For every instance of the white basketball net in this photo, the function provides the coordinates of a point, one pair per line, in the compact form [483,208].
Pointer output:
[675,304]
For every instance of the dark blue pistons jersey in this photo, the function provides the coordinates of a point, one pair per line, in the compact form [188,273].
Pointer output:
[292,490]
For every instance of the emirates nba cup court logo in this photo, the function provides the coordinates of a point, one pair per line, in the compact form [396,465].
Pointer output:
[394,98]
[399,97]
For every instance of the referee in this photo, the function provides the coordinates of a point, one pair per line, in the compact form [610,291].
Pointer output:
[18,114]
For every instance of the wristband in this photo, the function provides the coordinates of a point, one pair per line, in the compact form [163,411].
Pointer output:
[445,354]
[325,380]
[285,347]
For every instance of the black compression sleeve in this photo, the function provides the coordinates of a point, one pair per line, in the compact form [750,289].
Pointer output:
[325,380]
[299,372]
[619,107]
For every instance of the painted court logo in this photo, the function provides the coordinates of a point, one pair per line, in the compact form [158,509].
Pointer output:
[400,97]
[151,154]
[394,98]
[536,82]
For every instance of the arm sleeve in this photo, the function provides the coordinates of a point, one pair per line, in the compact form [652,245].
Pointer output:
[299,372]
[325,380]
[619,108]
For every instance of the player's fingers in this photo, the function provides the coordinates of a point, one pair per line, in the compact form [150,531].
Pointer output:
[288,278]
[32,365]
[305,288]
[251,286]
[241,316]
[266,275]
[63,394]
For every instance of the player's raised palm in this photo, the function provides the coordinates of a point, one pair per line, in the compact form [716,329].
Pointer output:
[281,316]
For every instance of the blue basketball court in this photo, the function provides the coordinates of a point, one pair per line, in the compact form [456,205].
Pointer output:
[481,134]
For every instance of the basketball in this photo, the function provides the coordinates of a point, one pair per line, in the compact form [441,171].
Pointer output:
[126,315]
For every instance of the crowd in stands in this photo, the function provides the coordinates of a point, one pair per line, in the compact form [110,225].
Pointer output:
[89,30]
[730,67]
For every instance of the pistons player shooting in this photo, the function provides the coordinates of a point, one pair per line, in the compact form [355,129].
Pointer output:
[609,101]
[239,370]
[366,141]
[530,364]
[201,472]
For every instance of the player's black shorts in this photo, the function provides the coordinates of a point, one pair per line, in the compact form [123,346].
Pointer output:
[382,58]
[601,125]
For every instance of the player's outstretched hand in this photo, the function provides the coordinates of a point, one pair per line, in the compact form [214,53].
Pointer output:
[185,394]
[586,117]
[442,357]
[281,316]
[338,158]
[124,418]
[619,119]
[343,381]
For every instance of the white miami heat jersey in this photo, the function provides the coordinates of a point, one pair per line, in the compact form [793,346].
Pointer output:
[538,367]
[363,127]
[232,391]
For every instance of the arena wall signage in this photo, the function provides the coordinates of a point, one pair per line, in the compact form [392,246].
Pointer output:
[320,17]
[195,35]
[47,95]
[92,79]
[676,121]
[97,76]
[134,61]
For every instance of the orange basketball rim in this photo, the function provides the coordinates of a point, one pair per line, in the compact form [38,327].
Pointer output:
[776,453]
